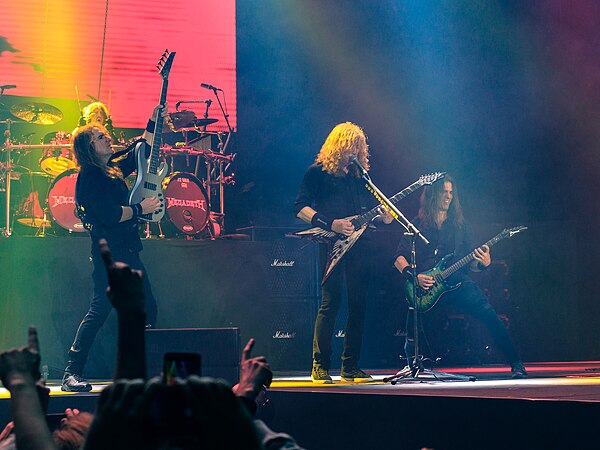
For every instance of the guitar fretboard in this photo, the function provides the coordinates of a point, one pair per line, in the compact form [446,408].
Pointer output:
[368,216]
[469,258]
[157,136]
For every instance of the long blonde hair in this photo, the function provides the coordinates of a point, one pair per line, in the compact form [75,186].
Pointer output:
[346,139]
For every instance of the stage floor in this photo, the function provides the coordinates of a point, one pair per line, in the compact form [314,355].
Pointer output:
[573,381]
[556,407]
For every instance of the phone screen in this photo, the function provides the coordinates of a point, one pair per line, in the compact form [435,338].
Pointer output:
[180,365]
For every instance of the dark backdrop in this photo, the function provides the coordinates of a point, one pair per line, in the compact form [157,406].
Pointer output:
[504,95]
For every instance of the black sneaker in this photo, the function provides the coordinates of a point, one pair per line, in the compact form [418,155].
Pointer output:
[356,376]
[518,370]
[320,376]
[74,383]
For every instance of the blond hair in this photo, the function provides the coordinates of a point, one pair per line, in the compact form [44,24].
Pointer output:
[346,139]
[90,109]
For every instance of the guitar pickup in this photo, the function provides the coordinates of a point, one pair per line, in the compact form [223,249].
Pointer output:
[150,186]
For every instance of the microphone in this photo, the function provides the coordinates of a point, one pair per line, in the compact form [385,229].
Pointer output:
[354,160]
[210,86]
[92,98]
[8,86]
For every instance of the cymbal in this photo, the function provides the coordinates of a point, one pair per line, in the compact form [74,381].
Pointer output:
[181,119]
[204,122]
[34,112]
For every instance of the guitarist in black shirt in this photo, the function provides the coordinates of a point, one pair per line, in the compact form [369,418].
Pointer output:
[101,196]
[441,220]
[331,190]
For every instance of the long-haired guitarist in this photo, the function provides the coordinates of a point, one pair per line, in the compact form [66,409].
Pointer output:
[441,220]
[101,196]
[331,190]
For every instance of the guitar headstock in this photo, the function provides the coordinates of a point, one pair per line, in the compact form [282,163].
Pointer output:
[510,232]
[164,64]
[431,178]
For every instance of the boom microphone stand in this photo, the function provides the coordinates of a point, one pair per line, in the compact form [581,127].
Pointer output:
[415,369]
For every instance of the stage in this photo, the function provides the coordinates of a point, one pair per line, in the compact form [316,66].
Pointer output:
[556,407]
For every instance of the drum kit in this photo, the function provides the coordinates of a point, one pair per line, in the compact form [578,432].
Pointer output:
[44,176]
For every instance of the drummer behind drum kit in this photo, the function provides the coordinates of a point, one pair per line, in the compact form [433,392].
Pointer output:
[46,175]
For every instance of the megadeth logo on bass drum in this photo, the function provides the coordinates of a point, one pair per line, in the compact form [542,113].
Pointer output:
[198,204]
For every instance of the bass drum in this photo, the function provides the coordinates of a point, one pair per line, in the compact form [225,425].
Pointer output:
[187,202]
[61,202]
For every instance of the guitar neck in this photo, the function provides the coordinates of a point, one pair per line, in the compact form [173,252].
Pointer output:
[157,135]
[469,258]
[368,216]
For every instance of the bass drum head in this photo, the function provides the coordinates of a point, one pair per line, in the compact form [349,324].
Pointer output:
[61,202]
[187,202]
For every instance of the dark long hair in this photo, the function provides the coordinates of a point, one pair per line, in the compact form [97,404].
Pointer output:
[85,153]
[430,206]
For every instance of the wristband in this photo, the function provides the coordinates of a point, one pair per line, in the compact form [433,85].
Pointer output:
[319,220]
[481,266]
[150,126]
[137,210]
[407,273]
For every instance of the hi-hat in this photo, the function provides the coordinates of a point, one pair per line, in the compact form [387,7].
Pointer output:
[40,113]
[204,122]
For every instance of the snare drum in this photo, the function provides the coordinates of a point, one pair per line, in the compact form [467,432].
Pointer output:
[187,202]
[58,156]
[61,201]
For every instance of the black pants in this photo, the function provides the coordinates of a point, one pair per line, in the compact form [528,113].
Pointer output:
[472,300]
[100,308]
[353,272]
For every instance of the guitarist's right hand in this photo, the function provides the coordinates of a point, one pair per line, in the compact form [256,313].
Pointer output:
[425,281]
[150,204]
[342,226]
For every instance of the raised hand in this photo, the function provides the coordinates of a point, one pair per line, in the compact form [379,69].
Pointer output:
[21,365]
[125,287]
[254,373]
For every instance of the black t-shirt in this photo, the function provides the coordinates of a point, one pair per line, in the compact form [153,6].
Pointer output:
[99,199]
[334,197]
[443,241]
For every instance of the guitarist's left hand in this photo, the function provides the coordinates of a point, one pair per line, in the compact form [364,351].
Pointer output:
[482,256]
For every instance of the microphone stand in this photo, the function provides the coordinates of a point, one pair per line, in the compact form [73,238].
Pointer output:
[416,368]
[222,148]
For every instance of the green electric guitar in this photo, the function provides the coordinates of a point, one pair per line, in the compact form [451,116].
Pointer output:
[427,299]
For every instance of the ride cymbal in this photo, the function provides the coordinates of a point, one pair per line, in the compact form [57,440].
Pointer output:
[39,113]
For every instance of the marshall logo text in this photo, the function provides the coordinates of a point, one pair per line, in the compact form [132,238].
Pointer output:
[284,335]
[278,263]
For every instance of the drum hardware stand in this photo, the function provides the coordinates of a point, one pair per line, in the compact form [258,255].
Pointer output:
[148,231]
[414,368]
[7,147]
[41,231]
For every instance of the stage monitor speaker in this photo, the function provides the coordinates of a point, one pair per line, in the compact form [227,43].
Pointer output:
[219,349]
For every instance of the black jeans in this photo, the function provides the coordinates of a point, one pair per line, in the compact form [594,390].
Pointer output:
[354,272]
[100,308]
[472,300]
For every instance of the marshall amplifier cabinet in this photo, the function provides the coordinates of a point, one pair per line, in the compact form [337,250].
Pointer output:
[290,265]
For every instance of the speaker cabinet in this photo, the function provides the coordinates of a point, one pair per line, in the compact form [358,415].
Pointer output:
[219,349]
[287,337]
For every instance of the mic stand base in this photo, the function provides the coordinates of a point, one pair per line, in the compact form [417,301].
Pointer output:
[420,373]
